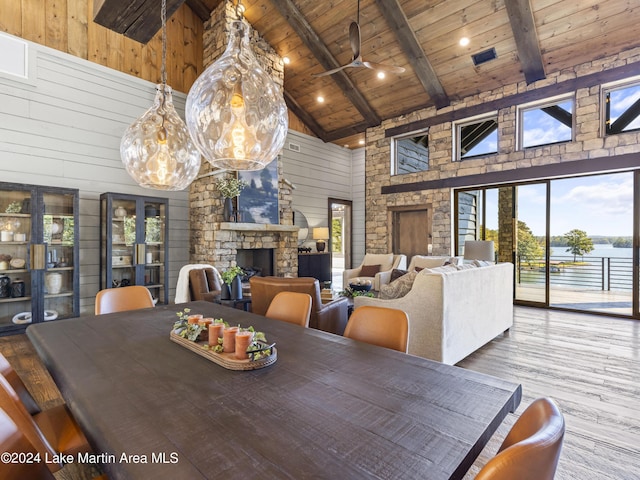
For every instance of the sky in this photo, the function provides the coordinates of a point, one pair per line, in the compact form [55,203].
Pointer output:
[599,205]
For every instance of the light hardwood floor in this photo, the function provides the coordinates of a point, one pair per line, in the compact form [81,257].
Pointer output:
[590,365]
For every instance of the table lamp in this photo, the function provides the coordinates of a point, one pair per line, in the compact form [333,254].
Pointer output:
[320,234]
[479,250]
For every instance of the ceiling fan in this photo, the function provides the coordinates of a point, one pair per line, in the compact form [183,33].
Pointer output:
[356,60]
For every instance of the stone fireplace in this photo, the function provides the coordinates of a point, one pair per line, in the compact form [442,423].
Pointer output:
[217,242]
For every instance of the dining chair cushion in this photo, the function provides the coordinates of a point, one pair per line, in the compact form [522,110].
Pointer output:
[381,326]
[121,299]
[292,307]
[531,449]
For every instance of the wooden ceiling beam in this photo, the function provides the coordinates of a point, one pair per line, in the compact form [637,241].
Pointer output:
[302,114]
[136,19]
[313,42]
[526,37]
[398,22]
[345,132]
[200,9]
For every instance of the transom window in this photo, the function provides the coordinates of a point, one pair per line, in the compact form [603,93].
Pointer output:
[410,153]
[546,123]
[477,137]
[622,112]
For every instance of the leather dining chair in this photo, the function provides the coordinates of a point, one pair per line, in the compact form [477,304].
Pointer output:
[531,449]
[7,371]
[13,440]
[290,307]
[51,431]
[381,326]
[122,299]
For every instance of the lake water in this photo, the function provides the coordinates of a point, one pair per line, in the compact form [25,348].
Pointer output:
[599,250]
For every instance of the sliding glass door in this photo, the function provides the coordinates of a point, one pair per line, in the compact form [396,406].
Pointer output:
[572,240]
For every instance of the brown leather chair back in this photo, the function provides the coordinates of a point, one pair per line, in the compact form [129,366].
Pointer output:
[123,299]
[12,406]
[291,307]
[7,371]
[381,326]
[13,440]
[203,284]
[532,448]
[264,289]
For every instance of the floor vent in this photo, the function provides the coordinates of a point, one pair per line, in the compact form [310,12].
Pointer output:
[484,57]
[294,147]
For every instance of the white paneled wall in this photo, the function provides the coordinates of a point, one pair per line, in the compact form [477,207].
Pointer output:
[62,127]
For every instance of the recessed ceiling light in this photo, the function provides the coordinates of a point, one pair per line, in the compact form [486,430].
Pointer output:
[320,99]
[464,41]
[286,60]
[361,142]
[380,75]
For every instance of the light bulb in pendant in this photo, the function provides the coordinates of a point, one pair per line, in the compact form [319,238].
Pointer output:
[161,165]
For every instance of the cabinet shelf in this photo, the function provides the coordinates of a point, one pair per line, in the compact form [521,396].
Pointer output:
[14,243]
[12,271]
[16,299]
[16,215]
[58,295]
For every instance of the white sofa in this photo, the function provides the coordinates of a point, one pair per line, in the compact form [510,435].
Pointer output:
[452,313]
[387,262]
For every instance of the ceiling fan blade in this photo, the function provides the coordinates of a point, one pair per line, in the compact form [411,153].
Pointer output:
[384,68]
[331,72]
[354,39]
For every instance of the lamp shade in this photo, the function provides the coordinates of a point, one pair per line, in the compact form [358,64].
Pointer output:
[320,233]
[235,112]
[156,149]
[479,250]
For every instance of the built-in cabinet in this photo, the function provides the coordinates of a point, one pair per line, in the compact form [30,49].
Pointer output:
[39,255]
[133,243]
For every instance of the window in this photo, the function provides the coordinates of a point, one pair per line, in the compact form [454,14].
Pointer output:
[622,113]
[545,123]
[410,153]
[477,137]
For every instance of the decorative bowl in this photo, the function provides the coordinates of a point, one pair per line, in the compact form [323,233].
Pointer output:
[360,287]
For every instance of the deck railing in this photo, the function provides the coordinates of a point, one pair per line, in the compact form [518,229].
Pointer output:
[589,273]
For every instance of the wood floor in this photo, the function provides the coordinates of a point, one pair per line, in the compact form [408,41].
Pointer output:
[590,365]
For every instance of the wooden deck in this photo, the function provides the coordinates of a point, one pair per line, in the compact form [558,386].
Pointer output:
[614,302]
[590,365]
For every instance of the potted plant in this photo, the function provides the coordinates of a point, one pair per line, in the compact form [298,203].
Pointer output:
[232,288]
[229,188]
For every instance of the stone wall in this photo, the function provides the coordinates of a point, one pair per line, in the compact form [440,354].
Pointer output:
[211,240]
[589,143]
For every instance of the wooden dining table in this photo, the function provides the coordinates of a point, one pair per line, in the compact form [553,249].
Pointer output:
[329,407]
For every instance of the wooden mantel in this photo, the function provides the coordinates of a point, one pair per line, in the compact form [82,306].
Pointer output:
[255,227]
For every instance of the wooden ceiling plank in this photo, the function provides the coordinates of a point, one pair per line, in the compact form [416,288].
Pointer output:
[313,42]
[524,32]
[200,9]
[308,120]
[136,19]
[399,23]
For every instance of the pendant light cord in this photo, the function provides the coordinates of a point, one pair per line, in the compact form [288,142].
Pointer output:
[239,9]
[163,18]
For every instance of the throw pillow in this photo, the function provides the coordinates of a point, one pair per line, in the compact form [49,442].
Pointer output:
[397,273]
[398,288]
[369,270]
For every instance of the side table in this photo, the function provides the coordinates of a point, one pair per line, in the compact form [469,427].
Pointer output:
[244,303]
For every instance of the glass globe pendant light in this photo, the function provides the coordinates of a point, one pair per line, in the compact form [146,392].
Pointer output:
[235,112]
[156,149]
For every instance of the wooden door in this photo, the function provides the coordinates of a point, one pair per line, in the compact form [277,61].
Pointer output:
[412,232]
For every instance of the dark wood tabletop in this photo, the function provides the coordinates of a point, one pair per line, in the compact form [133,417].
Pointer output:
[329,407]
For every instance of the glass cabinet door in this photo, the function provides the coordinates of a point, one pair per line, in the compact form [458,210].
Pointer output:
[15,271]
[59,237]
[123,242]
[154,241]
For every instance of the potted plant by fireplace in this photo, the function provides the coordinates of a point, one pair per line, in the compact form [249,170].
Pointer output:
[230,188]
[232,288]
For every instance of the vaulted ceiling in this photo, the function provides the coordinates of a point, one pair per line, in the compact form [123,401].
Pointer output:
[531,39]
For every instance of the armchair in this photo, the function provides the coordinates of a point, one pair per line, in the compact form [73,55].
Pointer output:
[386,261]
[204,284]
[330,317]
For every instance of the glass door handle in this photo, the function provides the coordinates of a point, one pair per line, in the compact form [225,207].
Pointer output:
[38,254]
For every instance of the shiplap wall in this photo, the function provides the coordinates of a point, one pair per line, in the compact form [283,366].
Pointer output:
[321,171]
[62,127]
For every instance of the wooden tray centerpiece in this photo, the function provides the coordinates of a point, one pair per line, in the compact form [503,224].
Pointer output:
[192,333]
